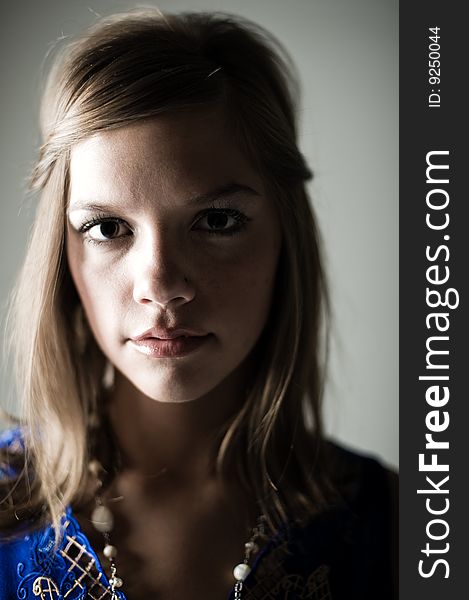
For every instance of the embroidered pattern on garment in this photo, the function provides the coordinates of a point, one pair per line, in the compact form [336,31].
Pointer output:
[45,585]
[84,565]
[272,581]
[75,570]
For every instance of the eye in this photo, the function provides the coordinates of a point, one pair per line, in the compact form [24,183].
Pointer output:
[104,230]
[221,221]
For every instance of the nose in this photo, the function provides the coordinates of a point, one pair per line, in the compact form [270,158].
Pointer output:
[160,273]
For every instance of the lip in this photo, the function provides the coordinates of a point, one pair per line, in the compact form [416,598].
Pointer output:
[169,343]
[169,333]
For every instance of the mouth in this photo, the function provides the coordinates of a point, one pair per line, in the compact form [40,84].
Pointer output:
[169,347]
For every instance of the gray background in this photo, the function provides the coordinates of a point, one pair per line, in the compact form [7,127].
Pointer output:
[347,55]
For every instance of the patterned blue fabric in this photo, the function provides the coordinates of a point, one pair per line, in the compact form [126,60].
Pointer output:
[13,440]
[32,568]
[343,554]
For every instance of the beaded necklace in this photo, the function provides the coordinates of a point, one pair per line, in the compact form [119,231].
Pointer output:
[102,520]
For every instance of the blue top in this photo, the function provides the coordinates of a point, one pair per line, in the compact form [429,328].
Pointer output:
[344,553]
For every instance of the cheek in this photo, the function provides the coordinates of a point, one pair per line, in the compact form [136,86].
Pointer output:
[239,290]
[100,292]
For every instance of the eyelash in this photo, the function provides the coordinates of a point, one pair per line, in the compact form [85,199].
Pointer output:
[240,218]
[99,219]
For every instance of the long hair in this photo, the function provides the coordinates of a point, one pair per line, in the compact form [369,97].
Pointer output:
[126,68]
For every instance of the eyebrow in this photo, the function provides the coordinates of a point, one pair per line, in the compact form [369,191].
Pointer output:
[219,193]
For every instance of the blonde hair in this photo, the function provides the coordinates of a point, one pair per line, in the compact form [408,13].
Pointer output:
[135,66]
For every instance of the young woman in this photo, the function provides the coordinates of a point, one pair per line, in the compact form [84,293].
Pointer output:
[168,329]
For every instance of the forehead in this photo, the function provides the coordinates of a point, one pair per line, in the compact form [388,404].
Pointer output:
[171,156]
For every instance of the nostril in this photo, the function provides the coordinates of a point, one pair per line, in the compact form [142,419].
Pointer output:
[156,290]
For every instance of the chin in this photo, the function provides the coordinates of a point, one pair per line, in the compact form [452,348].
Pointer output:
[171,389]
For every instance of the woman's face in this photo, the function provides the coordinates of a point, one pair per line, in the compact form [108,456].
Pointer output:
[173,246]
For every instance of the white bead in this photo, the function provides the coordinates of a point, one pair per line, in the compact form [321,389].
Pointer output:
[102,519]
[251,547]
[94,467]
[116,582]
[241,571]
[110,551]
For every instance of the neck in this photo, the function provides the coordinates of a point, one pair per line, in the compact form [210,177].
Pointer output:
[178,440]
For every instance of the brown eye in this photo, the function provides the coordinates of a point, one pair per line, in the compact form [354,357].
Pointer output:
[107,230]
[222,221]
[217,220]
